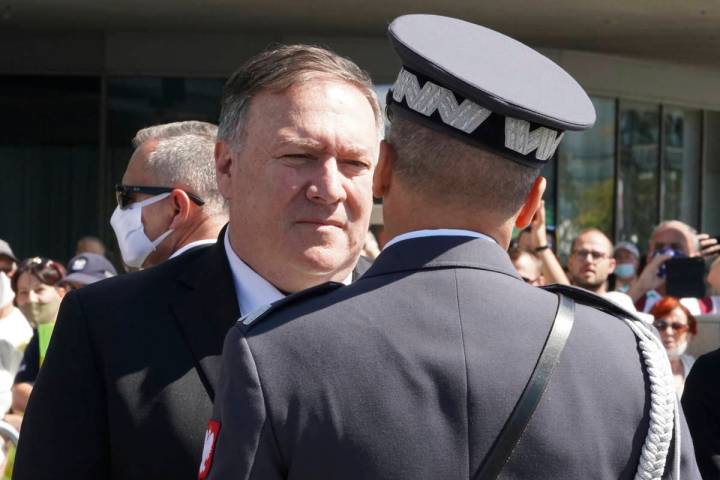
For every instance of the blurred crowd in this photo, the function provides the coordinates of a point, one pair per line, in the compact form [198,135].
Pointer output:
[643,285]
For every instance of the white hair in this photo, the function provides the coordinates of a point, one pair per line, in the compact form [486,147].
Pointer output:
[184,157]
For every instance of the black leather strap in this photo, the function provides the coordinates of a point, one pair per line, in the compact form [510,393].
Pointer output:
[527,403]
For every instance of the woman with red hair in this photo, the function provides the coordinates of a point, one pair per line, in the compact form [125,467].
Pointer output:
[677,327]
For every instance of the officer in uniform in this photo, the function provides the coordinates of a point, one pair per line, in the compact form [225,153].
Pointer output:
[440,362]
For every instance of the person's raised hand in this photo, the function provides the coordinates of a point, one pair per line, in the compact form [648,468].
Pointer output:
[708,245]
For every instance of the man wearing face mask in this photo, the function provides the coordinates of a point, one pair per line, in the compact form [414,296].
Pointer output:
[132,371]
[168,202]
[13,326]
[627,258]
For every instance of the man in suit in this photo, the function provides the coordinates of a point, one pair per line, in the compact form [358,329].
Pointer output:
[414,370]
[168,201]
[128,381]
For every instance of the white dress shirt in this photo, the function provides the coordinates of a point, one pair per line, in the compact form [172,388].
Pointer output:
[190,245]
[252,290]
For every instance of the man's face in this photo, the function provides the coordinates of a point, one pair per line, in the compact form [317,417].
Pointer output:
[299,184]
[156,217]
[671,237]
[590,261]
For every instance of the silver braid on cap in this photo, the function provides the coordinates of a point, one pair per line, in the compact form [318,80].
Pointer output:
[664,411]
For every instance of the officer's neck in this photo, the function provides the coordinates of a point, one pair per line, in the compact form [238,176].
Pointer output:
[406,212]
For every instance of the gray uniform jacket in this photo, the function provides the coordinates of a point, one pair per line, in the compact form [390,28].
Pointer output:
[410,373]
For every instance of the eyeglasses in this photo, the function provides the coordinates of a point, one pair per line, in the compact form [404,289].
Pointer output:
[123,194]
[677,327]
[582,254]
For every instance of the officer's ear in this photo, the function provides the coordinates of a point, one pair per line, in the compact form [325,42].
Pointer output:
[532,203]
[382,178]
[182,206]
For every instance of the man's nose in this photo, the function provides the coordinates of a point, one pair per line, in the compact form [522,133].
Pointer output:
[327,183]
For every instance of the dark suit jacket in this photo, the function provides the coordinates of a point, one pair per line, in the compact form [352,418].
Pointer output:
[410,373]
[701,402]
[124,390]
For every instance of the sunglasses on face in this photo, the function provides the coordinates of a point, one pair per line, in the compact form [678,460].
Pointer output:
[677,327]
[124,194]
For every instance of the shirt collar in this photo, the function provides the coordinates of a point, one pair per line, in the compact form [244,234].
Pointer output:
[192,245]
[252,290]
[438,232]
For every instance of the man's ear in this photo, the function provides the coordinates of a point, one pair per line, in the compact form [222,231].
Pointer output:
[223,168]
[182,205]
[613,264]
[382,177]
[532,203]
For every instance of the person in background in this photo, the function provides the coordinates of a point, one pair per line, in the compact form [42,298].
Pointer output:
[38,296]
[90,244]
[627,265]
[168,201]
[15,333]
[85,269]
[677,327]
[8,262]
[591,262]
[536,241]
[682,239]
[528,265]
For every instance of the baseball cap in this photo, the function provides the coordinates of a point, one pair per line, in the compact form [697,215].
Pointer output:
[629,246]
[88,268]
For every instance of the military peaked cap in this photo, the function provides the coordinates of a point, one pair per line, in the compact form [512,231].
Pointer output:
[485,88]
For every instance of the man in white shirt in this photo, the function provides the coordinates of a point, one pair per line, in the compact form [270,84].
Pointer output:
[168,201]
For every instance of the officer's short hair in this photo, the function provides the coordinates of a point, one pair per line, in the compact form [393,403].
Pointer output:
[452,171]
[276,70]
[184,157]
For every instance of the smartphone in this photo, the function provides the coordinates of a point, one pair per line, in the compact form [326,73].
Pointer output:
[685,277]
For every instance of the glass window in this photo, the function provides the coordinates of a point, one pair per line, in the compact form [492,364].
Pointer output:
[711,175]
[49,162]
[681,164]
[586,164]
[637,203]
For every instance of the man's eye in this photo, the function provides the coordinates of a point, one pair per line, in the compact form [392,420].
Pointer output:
[355,163]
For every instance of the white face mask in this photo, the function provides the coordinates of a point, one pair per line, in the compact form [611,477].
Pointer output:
[6,292]
[134,245]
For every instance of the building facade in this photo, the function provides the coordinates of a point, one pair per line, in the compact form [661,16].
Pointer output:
[71,102]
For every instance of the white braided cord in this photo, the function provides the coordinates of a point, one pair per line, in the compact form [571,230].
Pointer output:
[664,411]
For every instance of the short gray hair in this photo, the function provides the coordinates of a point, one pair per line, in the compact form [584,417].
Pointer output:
[279,68]
[679,225]
[184,157]
[452,171]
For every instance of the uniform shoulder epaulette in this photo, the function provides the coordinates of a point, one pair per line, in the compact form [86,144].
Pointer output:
[591,300]
[262,312]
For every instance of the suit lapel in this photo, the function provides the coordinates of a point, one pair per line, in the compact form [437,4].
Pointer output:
[205,308]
